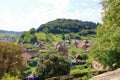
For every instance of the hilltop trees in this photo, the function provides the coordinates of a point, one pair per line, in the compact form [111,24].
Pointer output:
[65,26]
[10,59]
[107,46]
[52,65]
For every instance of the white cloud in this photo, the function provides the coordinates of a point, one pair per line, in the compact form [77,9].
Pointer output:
[47,10]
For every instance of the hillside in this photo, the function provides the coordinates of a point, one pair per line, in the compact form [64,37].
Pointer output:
[60,29]
[4,33]
[63,26]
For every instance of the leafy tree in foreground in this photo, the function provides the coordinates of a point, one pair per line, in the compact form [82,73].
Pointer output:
[10,59]
[52,65]
[8,77]
[108,36]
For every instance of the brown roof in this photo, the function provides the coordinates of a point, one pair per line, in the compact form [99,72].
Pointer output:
[26,56]
[77,60]
[32,53]
[78,56]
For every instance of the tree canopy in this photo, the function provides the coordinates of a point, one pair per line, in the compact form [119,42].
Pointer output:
[8,77]
[108,36]
[52,65]
[10,59]
[63,26]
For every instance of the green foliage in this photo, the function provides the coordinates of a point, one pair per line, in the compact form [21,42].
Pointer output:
[51,37]
[72,50]
[80,70]
[26,37]
[9,77]
[86,32]
[28,70]
[30,47]
[52,65]
[10,59]
[66,36]
[59,30]
[32,31]
[88,76]
[108,39]
[63,26]
[41,36]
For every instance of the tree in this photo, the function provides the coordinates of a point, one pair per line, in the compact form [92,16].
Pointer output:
[108,36]
[52,37]
[10,59]
[8,77]
[66,36]
[26,37]
[66,26]
[32,31]
[41,36]
[52,65]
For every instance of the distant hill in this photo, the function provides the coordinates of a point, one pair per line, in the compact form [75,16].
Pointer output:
[5,33]
[63,26]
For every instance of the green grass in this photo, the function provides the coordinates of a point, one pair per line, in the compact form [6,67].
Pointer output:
[88,37]
[77,71]
[30,47]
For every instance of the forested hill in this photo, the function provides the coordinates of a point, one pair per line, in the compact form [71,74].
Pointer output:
[4,33]
[64,26]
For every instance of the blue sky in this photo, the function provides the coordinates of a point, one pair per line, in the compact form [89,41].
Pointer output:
[21,15]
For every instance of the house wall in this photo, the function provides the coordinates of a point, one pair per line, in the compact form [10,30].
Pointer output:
[97,66]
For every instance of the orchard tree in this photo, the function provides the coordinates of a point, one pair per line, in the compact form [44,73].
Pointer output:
[107,43]
[52,65]
[10,59]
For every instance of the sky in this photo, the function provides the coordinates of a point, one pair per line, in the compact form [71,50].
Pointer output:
[21,15]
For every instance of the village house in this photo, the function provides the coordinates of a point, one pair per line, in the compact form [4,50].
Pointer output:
[54,44]
[82,44]
[62,47]
[29,54]
[72,41]
[98,66]
[42,45]
[77,59]
[26,56]
[7,39]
